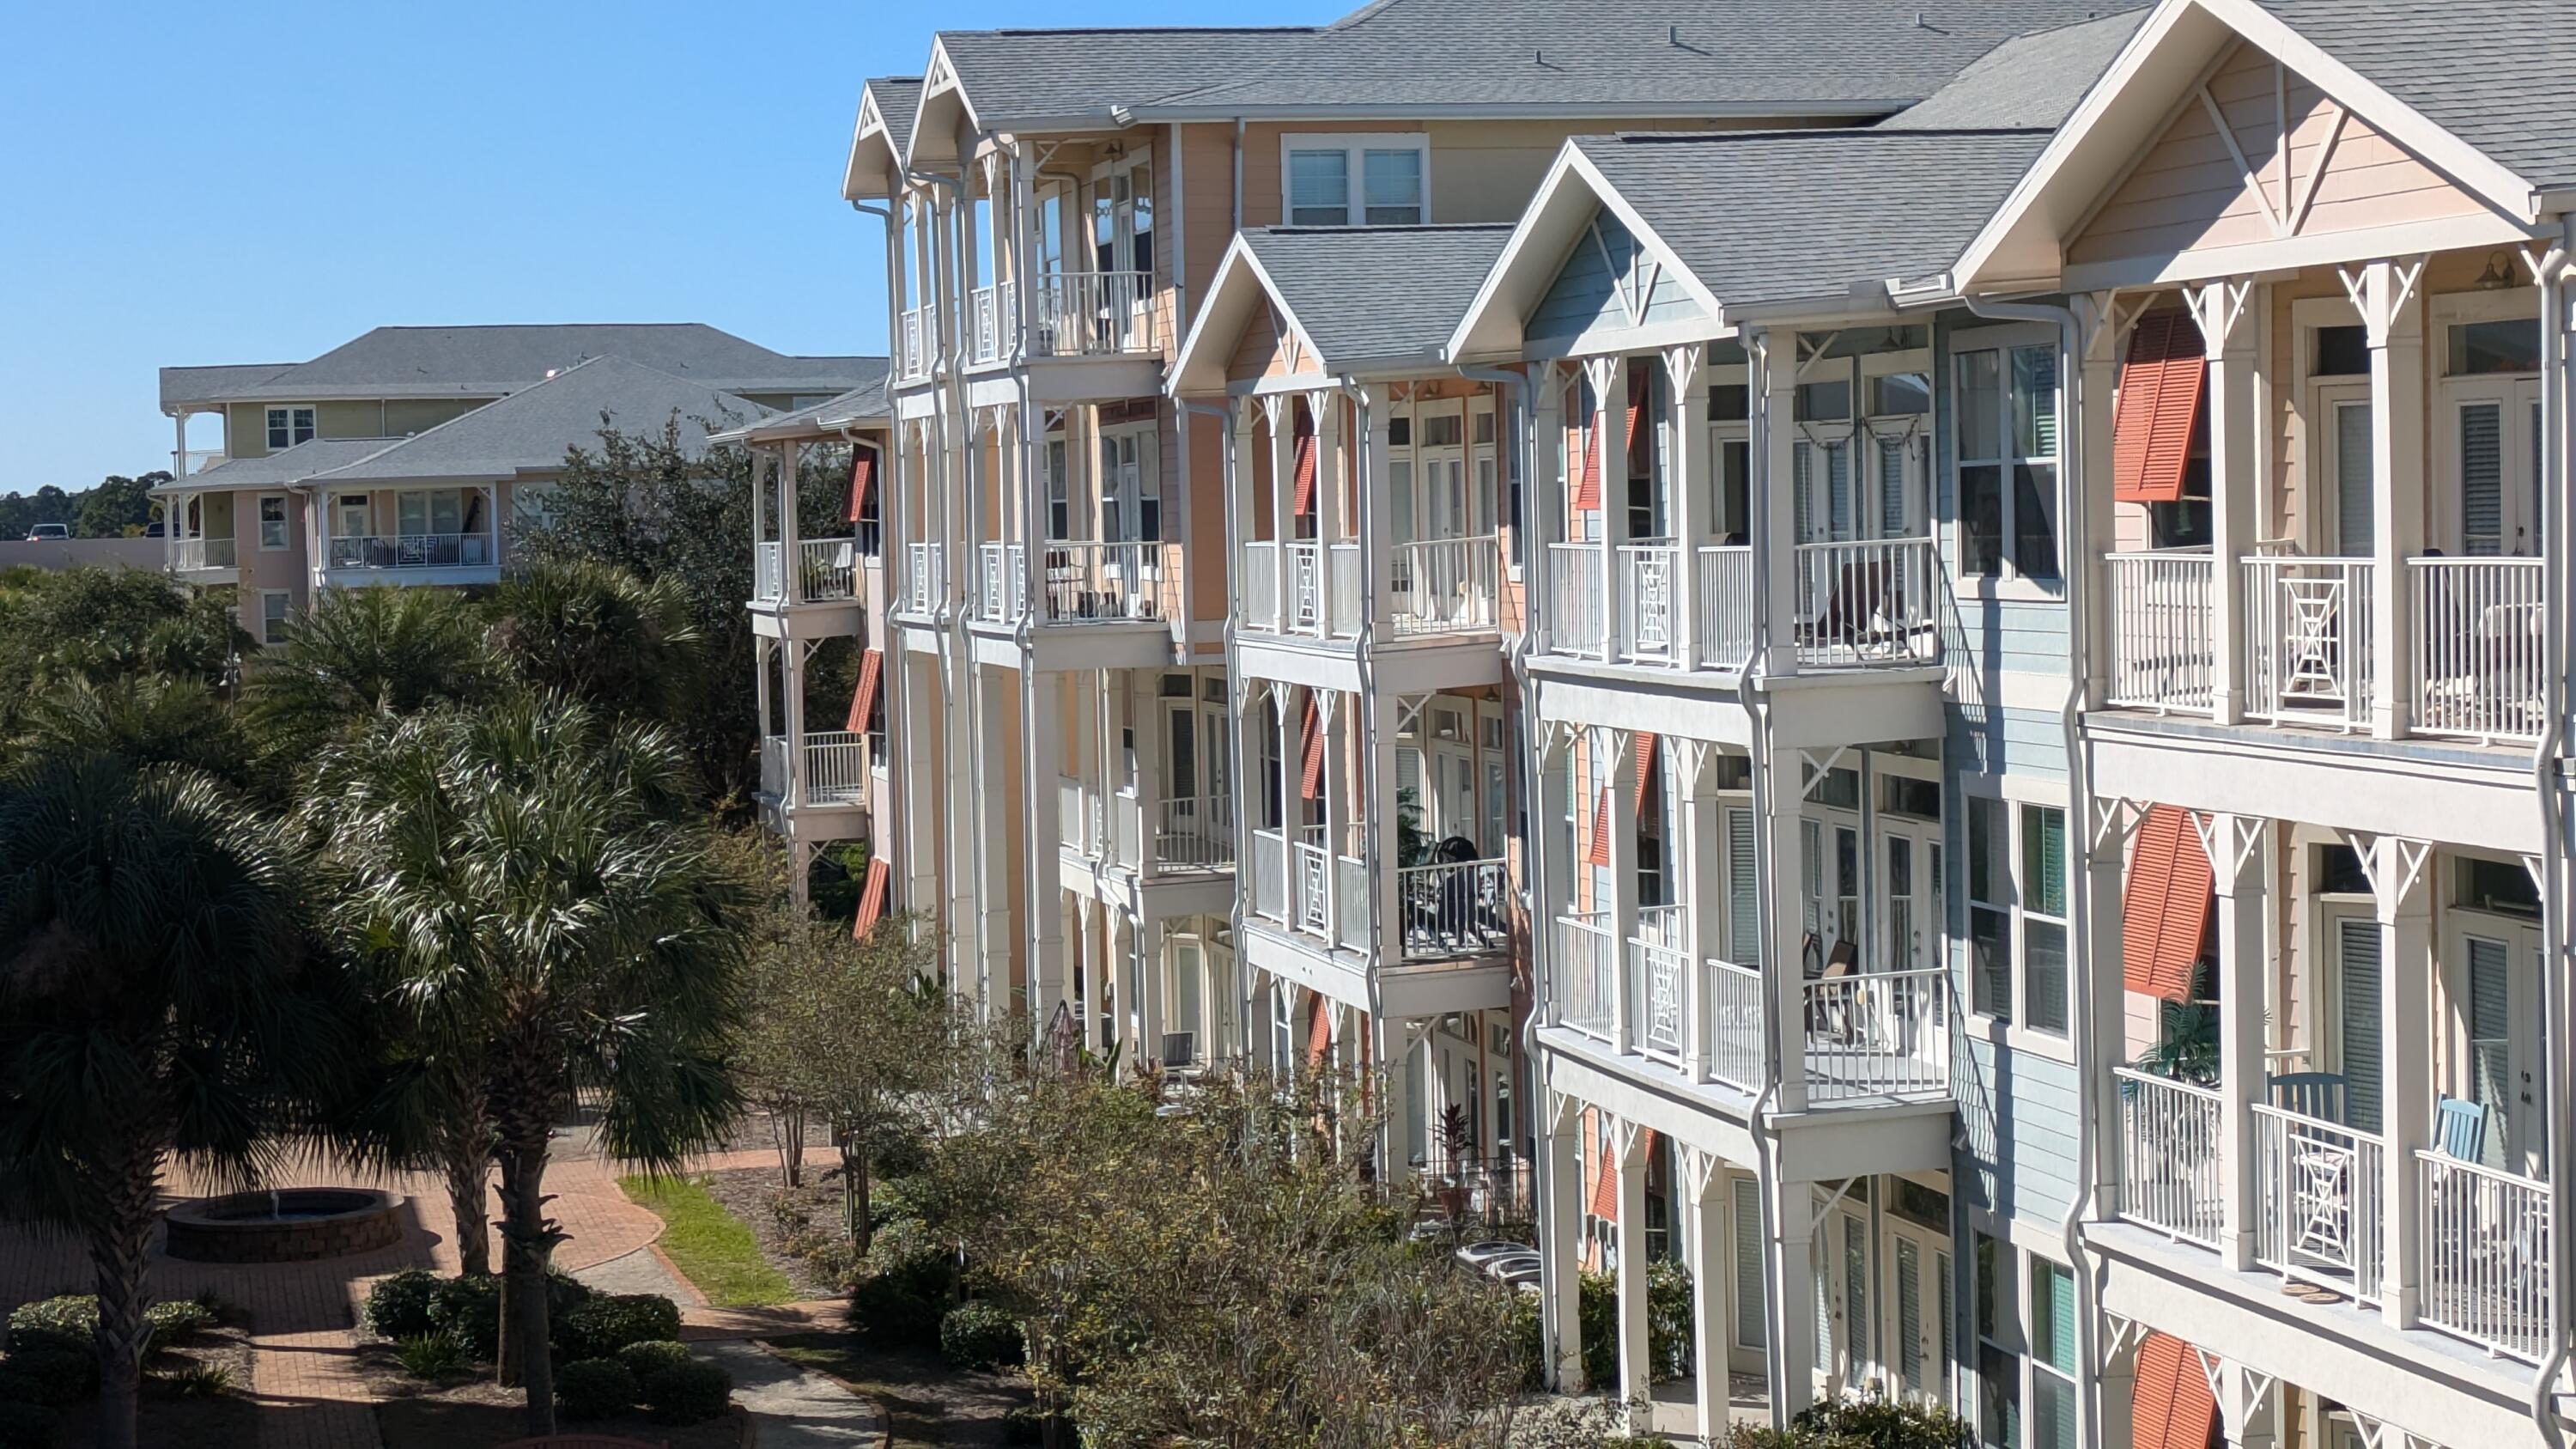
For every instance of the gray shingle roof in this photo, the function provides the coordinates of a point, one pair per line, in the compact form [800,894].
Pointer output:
[285,466]
[208,384]
[898,100]
[491,361]
[2033,80]
[858,407]
[2498,74]
[1689,57]
[1777,217]
[530,430]
[1379,293]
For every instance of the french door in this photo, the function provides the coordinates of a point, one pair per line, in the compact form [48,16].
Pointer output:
[2493,455]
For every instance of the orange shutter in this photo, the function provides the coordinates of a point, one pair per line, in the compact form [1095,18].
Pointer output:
[863,468]
[1305,451]
[1310,784]
[1605,1187]
[1587,487]
[2160,386]
[1645,767]
[2172,1405]
[1319,1030]
[872,897]
[2164,909]
[863,703]
[1641,458]
[1597,852]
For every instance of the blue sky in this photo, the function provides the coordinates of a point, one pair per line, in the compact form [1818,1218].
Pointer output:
[197,185]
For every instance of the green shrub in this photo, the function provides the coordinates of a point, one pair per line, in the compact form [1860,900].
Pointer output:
[17,1386]
[28,1426]
[903,1293]
[71,1318]
[690,1391]
[62,1373]
[1879,1424]
[469,1309]
[1668,1324]
[564,1293]
[173,1321]
[648,1359]
[1531,1335]
[398,1307]
[596,1388]
[200,1381]
[609,1322]
[979,1336]
[434,1355]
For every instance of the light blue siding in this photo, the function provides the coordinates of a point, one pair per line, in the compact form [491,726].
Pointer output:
[1990,740]
[1585,295]
[2016,1155]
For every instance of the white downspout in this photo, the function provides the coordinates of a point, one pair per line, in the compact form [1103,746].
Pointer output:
[2548,766]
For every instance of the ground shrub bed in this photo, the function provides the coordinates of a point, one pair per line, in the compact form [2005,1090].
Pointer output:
[195,1368]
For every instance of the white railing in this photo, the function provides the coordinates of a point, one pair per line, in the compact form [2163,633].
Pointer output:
[827,568]
[927,578]
[2307,640]
[1581,989]
[1351,883]
[1576,598]
[1305,589]
[1647,594]
[918,338]
[768,573]
[1195,833]
[1867,601]
[1878,1036]
[2319,1201]
[202,553]
[2488,1268]
[1736,1011]
[1453,909]
[1001,575]
[413,551]
[1072,819]
[2172,1178]
[1261,587]
[836,768]
[2162,636]
[1124,829]
[773,767]
[196,460]
[1107,581]
[985,313]
[2480,647]
[1270,875]
[1343,562]
[1657,999]
[1665,926]
[1075,314]
[1313,879]
[1445,586]
[1725,605]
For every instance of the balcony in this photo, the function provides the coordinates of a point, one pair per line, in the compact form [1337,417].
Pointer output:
[925,580]
[189,554]
[2476,647]
[2320,1215]
[1868,1039]
[1859,604]
[1084,583]
[1192,835]
[1071,314]
[1446,586]
[1454,909]
[835,770]
[827,570]
[1316,595]
[919,343]
[411,552]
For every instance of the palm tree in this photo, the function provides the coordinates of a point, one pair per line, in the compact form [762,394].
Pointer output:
[364,652]
[597,633]
[549,926]
[161,997]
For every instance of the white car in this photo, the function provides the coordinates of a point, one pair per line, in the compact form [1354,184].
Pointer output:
[48,532]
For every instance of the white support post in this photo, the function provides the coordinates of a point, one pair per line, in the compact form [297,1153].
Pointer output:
[1548,874]
[1618,775]
[2113,823]
[1784,853]
[1329,523]
[2103,339]
[1334,713]
[1775,462]
[2393,320]
[2235,847]
[1609,378]
[1281,412]
[1635,1365]
[2404,896]
[1395,1049]
[1382,709]
[1686,488]
[1702,827]
[1705,1183]
[2235,486]
[1793,1267]
[1543,487]
[791,585]
[1561,1235]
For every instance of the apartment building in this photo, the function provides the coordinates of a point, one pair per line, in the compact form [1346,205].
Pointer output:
[2046,491]
[406,455]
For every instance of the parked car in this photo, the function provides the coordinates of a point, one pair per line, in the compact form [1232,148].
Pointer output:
[152,529]
[1477,1255]
[48,531]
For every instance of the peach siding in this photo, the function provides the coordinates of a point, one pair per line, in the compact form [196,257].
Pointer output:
[2188,192]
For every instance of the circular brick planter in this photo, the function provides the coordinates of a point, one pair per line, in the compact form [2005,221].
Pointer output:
[291,1225]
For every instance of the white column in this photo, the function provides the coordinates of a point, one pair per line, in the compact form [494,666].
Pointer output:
[1783,881]
[1281,413]
[2235,486]
[1329,523]
[1618,774]
[2247,1407]
[1395,1049]
[2235,846]
[2392,314]
[1686,480]
[2100,370]
[1543,489]
[1335,714]
[1775,538]
[1609,376]
[1635,1365]
[1701,827]
[1378,850]
[1548,874]
[1561,1234]
[1793,1268]
[792,588]
[2105,877]
[793,687]
[2404,898]
[1705,1182]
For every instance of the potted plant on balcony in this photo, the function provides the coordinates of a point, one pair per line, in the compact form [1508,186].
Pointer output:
[1457,1140]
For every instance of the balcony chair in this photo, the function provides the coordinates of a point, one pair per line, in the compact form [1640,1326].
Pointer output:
[2310,1094]
[2460,1129]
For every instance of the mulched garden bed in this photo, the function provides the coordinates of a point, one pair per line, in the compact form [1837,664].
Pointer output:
[165,1420]
[476,1413]
[746,1193]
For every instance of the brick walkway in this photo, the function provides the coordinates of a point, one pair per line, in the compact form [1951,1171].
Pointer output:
[304,1368]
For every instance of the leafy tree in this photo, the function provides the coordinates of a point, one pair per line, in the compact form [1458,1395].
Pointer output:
[361,653]
[160,998]
[544,917]
[117,506]
[101,624]
[22,511]
[149,719]
[673,514]
[598,633]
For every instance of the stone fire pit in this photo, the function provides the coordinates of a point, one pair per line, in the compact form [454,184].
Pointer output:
[290,1225]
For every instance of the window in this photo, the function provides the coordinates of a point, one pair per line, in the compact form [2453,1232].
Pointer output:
[273,604]
[272,522]
[2052,1356]
[2017,897]
[2007,441]
[2499,887]
[1131,500]
[2043,916]
[532,508]
[1342,180]
[1989,908]
[1998,1358]
[2508,345]
[1059,490]
[288,426]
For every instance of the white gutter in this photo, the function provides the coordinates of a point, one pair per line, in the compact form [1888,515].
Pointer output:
[2548,769]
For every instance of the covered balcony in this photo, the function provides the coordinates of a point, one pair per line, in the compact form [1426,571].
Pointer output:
[1069,314]
[2358,1112]
[1143,780]
[424,535]
[1081,582]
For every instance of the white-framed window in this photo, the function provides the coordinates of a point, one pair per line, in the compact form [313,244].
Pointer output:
[1131,493]
[290,424]
[2006,459]
[532,507]
[272,522]
[2017,947]
[275,606]
[1356,180]
[2025,1348]
[1059,488]
[1122,214]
